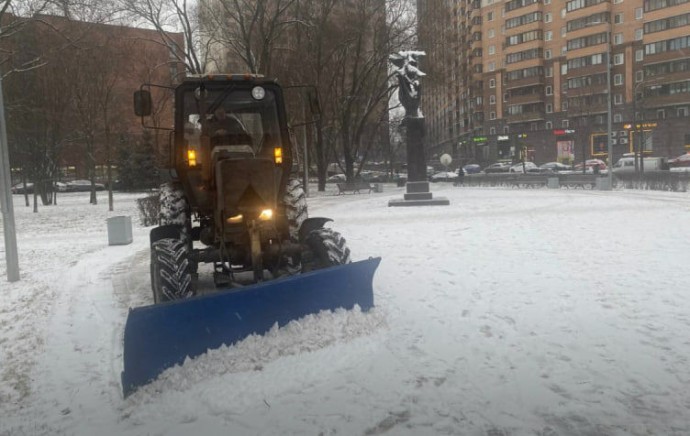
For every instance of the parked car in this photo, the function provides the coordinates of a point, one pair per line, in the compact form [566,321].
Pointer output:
[336,178]
[529,167]
[591,165]
[444,176]
[680,163]
[555,167]
[83,186]
[472,169]
[626,164]
[19,188]
[498,167]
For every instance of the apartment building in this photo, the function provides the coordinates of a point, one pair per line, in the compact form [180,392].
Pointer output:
[531,76]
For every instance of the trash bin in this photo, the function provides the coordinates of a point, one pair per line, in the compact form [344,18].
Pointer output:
[378,187]
[552,183]
[119,230]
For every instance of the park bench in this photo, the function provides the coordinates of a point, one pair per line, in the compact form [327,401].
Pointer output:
[354,187]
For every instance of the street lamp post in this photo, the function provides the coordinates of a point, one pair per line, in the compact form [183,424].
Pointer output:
[639,146]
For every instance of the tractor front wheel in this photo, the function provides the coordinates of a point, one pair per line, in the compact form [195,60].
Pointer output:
[325,247]
[171,270]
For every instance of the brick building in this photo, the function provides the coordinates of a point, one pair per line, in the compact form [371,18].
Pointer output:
[89,73]
[533,74]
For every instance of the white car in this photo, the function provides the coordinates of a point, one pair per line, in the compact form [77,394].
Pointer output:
[529,167]
[444,176]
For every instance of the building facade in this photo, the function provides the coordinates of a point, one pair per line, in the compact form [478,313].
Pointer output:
[530,76]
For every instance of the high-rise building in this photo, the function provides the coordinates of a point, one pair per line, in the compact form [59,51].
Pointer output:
[532,75]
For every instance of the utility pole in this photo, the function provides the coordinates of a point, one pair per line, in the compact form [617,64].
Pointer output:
[11,258]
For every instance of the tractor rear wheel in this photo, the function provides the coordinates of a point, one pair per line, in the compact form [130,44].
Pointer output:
[171,270]
[325,247]
[174,209]
[295,204]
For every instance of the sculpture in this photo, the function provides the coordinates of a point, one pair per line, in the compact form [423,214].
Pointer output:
[408,79]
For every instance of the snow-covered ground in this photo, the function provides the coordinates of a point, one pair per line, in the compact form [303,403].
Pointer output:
[509,312]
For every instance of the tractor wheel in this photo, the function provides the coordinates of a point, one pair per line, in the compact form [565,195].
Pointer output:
[295,202]
[174,209]
[325,247]
[171,270]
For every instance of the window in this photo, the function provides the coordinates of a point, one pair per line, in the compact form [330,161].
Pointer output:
[617,118]
[505,96]
[660,114]
[490,16]
[618,38]
[492,99]
[639,13]
[564,123]
[492,49]
[618,19]
[547,2]
[506,129]
[563,12]
[617,1]
[652,5]
[549,71]
[547,54]
[492,66]
[492,33]
[639,76]
[563,31]
[564,105]
[617,99]
[549,125]
[639,55]
[564,69]
[533,127]
[492,130]
[549,90]
[547,18]
[590,20]
[549,35]
[618,79]
[618,59]
[682,112]
[549,108]
[492,83]
[639,34]
[492,115]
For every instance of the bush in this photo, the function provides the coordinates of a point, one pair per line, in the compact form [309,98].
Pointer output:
[149,208]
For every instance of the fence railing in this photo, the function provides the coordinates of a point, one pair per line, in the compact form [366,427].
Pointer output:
[652,180]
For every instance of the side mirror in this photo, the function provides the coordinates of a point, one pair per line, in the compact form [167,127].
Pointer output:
[142,103]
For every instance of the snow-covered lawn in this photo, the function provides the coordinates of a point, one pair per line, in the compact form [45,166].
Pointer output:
[509,312]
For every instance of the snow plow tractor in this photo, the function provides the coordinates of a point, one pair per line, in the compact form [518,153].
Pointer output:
[234,204]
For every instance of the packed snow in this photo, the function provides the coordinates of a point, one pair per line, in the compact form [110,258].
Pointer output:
[509,312]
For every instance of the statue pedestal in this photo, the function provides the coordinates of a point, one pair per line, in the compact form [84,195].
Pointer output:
[418,194]
[417,189]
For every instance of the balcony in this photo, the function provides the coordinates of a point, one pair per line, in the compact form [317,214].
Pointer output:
[529,98]
[527,81]
[525,117]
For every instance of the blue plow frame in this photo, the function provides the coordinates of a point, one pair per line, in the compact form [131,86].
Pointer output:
[160,336]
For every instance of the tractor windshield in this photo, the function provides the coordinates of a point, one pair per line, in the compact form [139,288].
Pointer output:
[233,117]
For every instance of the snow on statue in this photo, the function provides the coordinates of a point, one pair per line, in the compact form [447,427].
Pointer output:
[408,79]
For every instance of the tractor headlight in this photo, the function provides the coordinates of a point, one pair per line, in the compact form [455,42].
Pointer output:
[235,219]
[191,157]
[258,93]
[266,215]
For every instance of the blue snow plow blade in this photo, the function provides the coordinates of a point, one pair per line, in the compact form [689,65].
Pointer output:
[161,336]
